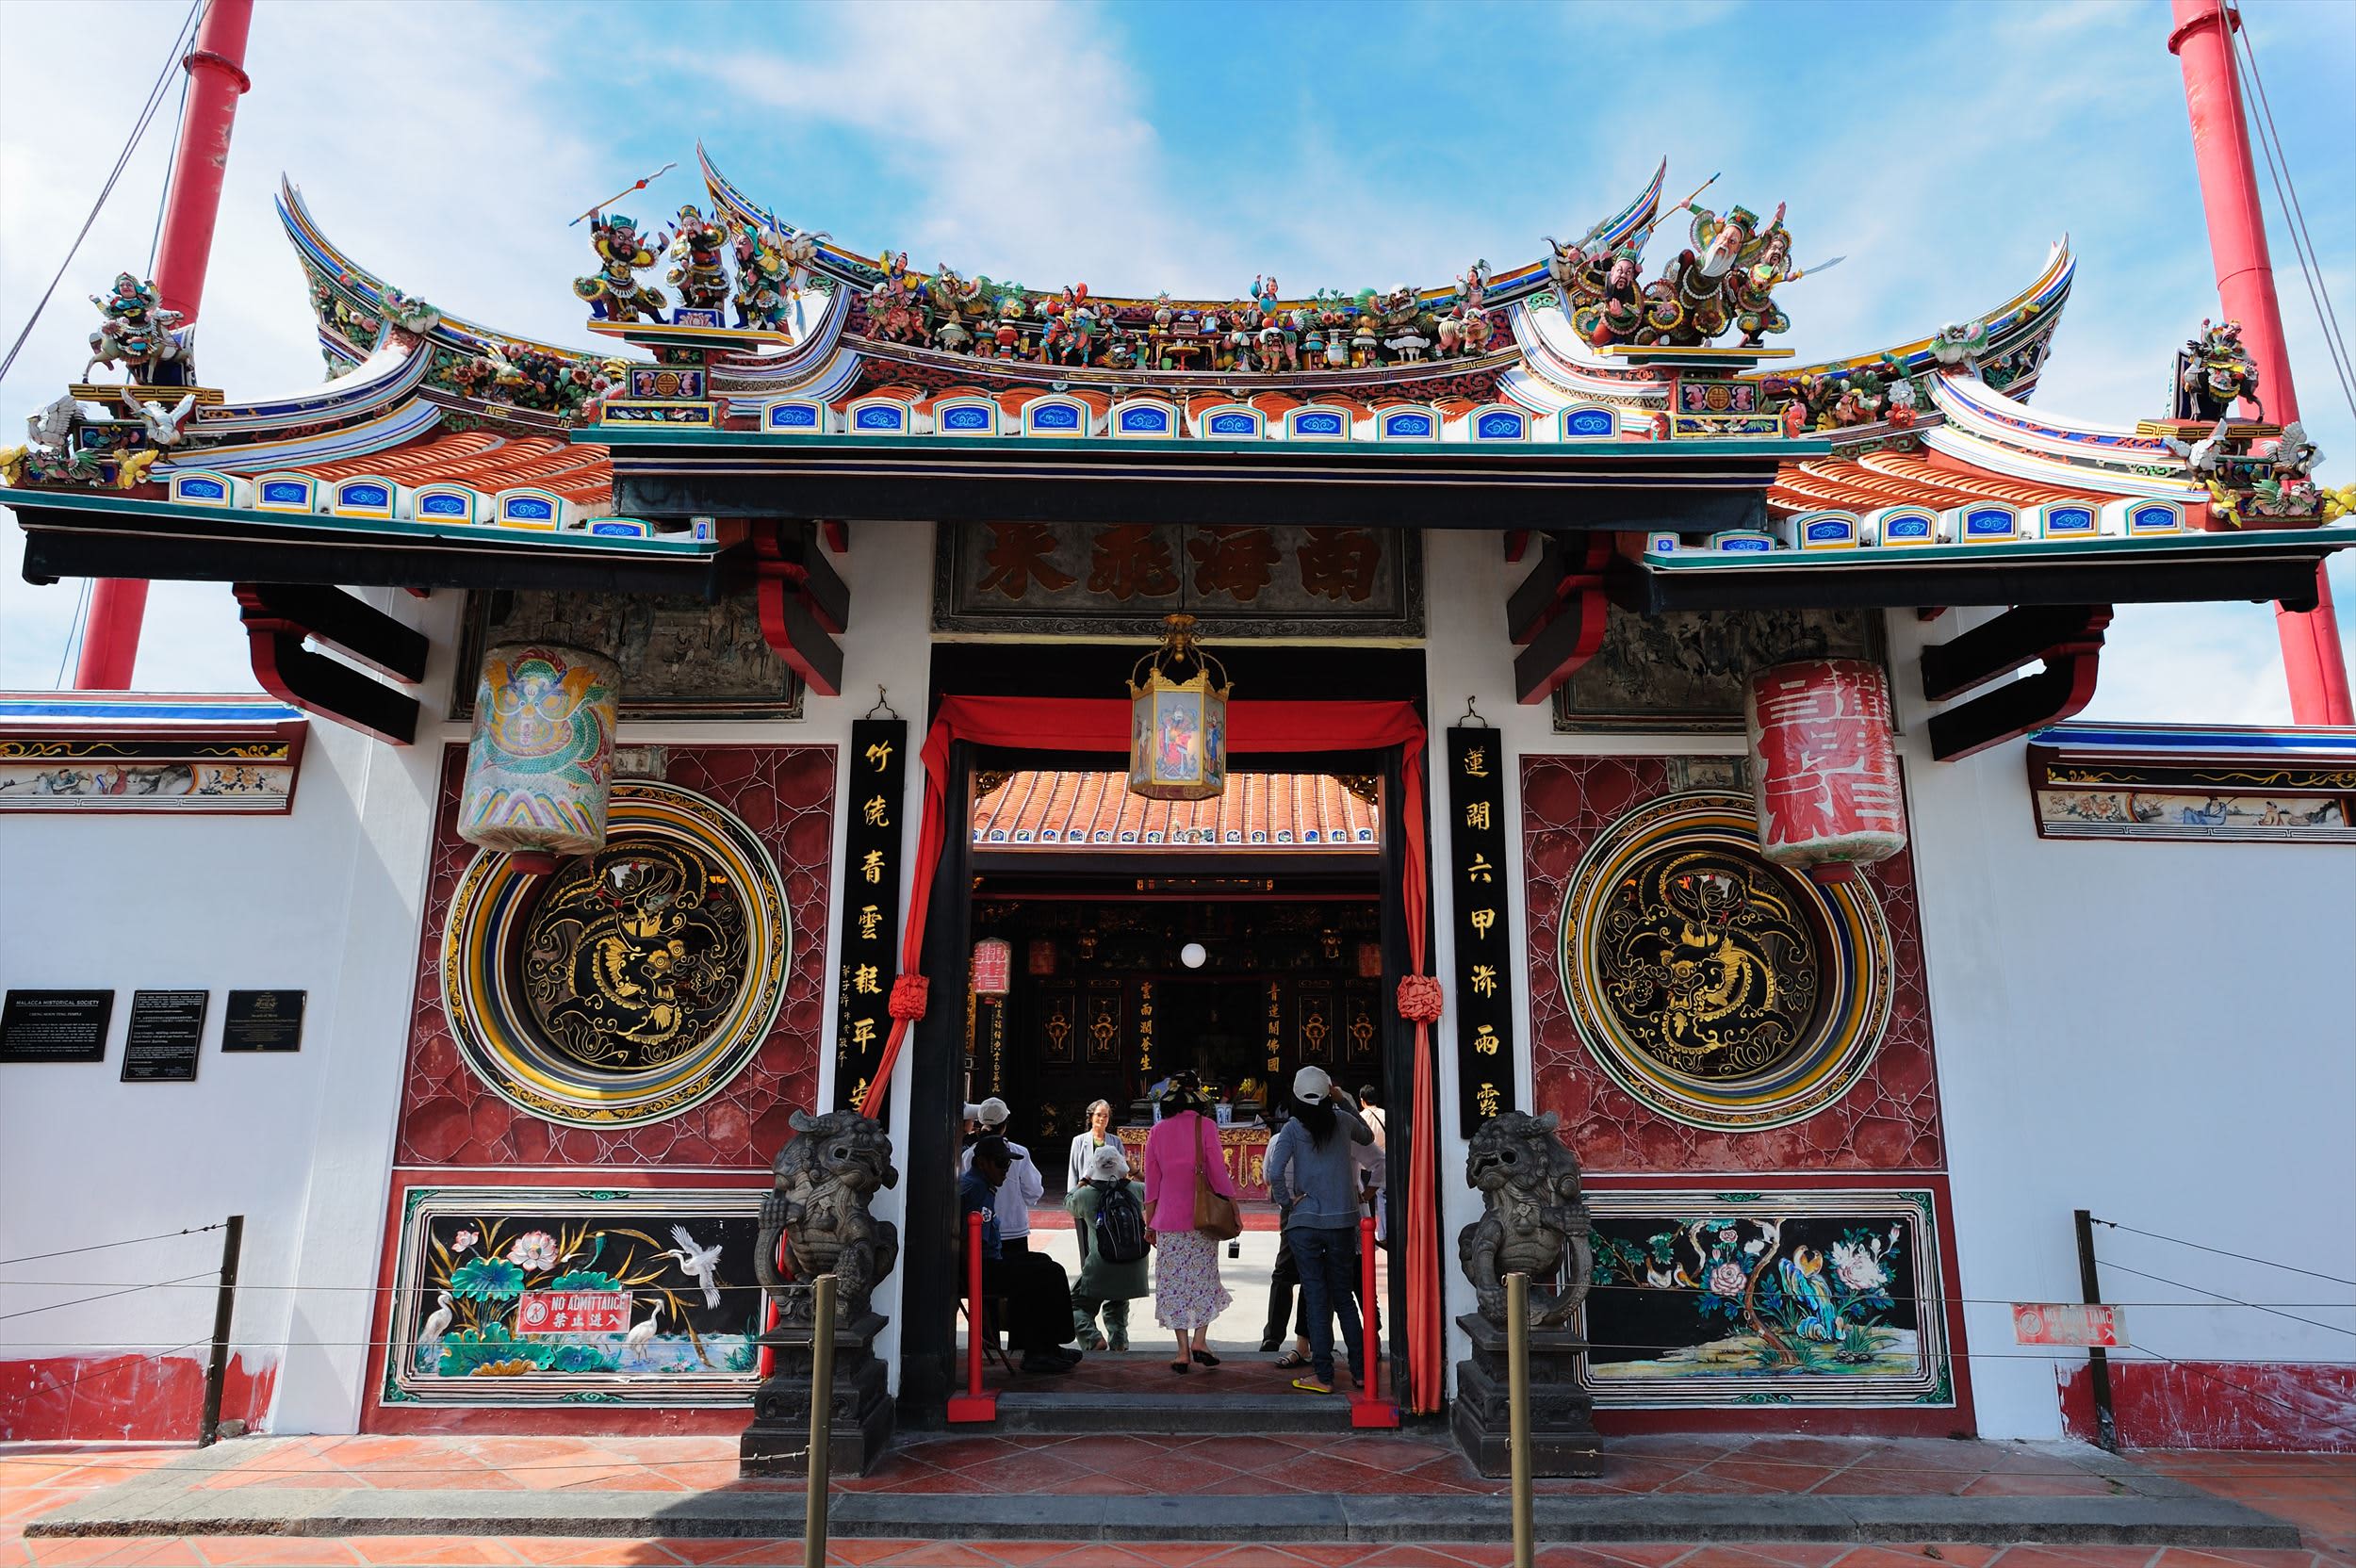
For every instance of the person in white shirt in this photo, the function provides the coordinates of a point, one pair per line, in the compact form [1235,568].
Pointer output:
[1022,1186]
[1085,1146]
[1375,1163]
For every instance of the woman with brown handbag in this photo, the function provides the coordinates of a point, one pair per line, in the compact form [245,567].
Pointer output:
[1190,1204]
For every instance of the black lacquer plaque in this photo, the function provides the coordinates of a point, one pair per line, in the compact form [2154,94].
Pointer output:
[166,1029]
[1486,1072]
[870,946]
[54,1026]
[263,1021]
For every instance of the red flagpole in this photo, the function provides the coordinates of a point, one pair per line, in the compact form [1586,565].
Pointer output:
[2202,40]
[216,68]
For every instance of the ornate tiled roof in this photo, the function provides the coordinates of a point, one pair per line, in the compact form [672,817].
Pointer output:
[1095,810]
[487,461]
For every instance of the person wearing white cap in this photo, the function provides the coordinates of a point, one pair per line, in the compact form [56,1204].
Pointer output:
[1023,1185]
[1312,1176]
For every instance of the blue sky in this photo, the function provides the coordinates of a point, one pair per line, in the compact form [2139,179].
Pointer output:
[1137,147]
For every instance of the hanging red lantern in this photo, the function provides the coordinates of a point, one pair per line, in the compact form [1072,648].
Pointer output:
[993,967]
[1825,766]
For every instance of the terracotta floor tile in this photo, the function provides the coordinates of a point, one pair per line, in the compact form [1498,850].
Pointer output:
[1887,1557]
[2049,1483]
[1412,1556]
[1768,1475]
[419,1551]
[564,1551]
[251,1551]
[2076,1557]
[140,1552]
[1894,1483]
[941,1554]
[2241,1557]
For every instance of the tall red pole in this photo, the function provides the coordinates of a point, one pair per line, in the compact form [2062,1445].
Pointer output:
[2203,40]
[216,68]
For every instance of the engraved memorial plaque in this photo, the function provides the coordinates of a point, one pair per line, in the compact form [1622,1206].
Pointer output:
[54,1026]
[166,1029]
[263,1021]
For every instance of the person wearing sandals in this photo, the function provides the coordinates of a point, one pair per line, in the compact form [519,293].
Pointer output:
[1180,1155]
[1312,1176]
[1109,1282]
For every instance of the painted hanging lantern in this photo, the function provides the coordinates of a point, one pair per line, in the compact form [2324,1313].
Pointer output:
[539,768]
[1178,720]
[993,967]
[1825,766]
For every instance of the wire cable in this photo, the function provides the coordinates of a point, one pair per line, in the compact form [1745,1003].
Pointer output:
[139,130]
[2239,1257]
[105,1246]
[127,1290]
[2161,1278]
[2295,221]
[73,633]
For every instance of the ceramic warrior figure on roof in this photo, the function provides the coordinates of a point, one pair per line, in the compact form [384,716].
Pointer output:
[137,332]
[1688,304]
[761,270]
[696,246]
[613,291]
[2212,373]
[1616,314]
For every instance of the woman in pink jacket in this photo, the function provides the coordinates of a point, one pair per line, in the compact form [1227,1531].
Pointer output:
[1187,1295]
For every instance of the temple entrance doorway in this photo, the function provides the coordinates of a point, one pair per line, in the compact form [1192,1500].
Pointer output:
[1119,941]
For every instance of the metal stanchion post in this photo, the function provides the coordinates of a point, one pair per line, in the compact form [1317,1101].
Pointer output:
[224,1308]
[821,1422]
[1369,1407]
[1517,1394]
[973,1405]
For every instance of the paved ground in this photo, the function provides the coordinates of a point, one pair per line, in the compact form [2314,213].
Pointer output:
[2317,1493]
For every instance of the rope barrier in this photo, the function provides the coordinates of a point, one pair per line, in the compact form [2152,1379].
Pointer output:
[2242,1257]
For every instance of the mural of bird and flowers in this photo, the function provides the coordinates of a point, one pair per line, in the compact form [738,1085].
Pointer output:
[678,1291]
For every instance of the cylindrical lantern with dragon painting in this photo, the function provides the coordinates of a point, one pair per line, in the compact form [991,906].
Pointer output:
[539,768]
[1825,766]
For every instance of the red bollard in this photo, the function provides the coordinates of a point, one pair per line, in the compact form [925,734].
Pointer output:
[1367,1407]
[973,1405]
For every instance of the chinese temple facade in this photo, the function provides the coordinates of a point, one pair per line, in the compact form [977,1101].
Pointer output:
[734,716]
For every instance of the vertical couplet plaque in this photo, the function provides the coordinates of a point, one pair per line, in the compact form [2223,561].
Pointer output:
[1485,1070]
[870,945]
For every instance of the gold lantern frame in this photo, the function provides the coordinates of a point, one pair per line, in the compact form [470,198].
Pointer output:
[1178,721]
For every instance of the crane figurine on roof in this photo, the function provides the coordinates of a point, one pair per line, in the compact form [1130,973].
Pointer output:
[613,291]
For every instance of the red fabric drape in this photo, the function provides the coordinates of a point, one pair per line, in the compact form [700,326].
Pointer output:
[1102,723]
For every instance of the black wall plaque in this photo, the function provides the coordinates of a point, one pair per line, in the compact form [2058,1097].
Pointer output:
[166,1029]
[1485,1070]
[870,917]
[263,1021]
[54,1026]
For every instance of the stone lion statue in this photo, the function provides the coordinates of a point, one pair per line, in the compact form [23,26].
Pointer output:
[1532,1219]
[825,1178]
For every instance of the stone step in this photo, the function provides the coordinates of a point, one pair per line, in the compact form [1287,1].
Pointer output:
[1157,1415]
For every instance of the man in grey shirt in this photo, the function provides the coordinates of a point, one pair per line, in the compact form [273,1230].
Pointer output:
[1312,1176]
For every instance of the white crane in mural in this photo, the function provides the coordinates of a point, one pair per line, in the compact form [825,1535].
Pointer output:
[699,1264]
[436,1325]
[635,1342]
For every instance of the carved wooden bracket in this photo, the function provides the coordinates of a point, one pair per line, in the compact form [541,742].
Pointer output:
[279,616]
[803,599]
[2067,638]
[1559,613]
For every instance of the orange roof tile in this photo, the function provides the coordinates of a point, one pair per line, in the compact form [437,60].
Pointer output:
[487,462]
[1090,809]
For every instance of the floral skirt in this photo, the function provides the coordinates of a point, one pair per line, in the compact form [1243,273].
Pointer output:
[1186,1292]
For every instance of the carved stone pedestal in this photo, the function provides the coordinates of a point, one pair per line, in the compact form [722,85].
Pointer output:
[778,1441]
[1562,1439]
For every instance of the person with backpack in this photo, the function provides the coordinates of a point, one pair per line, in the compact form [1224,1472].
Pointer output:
[1109,1210]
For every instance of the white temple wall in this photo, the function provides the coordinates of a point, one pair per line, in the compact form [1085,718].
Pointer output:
[2164,1034]
[323,900]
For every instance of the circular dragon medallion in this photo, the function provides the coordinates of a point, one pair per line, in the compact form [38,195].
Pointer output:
[633,983]
[1718,990]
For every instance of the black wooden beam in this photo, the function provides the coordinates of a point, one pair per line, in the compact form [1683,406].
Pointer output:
[275,617]
[2068,639]
[1560,610]
[1887,581]
[332,617]
[2012,639]
[802,599]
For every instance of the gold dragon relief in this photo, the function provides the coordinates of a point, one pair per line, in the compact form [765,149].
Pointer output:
[1709,964]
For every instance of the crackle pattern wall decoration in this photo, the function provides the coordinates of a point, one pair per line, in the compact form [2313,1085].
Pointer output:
[1694,1008]
[656,1004]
